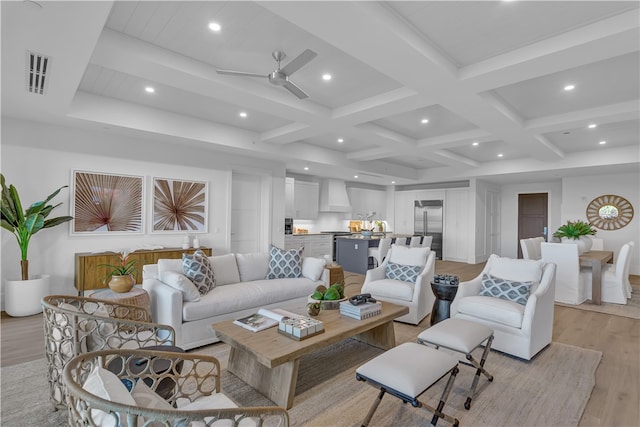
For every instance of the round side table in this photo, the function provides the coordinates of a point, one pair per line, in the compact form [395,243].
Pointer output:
[442,305]
[136,296]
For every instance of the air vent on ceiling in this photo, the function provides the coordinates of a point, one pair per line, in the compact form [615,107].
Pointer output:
[37,68]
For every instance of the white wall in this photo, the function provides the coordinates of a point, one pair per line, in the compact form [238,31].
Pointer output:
[37,171]
[578,192]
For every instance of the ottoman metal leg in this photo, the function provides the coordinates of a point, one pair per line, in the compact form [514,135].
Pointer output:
[480,369]
[373,408]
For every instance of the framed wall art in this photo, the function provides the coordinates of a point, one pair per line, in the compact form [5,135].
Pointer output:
[105,203]
[179,206]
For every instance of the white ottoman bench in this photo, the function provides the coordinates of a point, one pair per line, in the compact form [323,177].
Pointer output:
[462,336]
[407,371]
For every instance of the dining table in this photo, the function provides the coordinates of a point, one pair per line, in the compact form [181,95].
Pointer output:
[595,260]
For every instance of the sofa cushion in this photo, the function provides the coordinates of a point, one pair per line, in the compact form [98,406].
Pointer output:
[182,283]
[212,401]
[312,268]
[492,309]
[107,385]
[198,269]
[506,289]
[389,288]
[284,263]
[406,255]
[246,295]
[225,268]
[165,265]
[253,266]
[404,273]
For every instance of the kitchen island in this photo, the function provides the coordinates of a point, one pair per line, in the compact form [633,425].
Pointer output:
[352,252]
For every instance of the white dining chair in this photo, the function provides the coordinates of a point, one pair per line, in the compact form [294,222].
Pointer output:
[380,252]
[531,247]
[570,278]
[614,278]
[426,241]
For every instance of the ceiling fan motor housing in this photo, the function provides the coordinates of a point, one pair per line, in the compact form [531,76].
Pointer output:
[278,78]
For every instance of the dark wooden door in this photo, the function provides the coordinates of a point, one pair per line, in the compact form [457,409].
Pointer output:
[532,217]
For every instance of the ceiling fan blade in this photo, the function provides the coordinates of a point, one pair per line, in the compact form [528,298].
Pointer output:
[239,73]
[291,87]
[299,62]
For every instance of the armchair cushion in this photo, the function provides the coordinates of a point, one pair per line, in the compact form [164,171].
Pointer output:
[253,266]
[284,263]
[493,309]
[390,288]
[506,289]
[147,398]
[409,256]
[404,273]
[108,386]
[198,269]
[517,269]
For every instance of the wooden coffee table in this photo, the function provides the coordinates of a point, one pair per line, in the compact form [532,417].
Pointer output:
[268,361]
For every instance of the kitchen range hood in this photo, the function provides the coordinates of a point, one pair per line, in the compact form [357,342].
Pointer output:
[333,196]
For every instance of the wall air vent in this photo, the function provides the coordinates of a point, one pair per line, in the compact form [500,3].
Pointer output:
[37,68]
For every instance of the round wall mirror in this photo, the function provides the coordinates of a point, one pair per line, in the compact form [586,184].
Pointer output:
[609,212]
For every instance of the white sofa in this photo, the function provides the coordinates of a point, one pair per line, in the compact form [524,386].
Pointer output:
[241,289]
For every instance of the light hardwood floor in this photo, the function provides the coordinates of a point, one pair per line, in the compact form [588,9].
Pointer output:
[615,400]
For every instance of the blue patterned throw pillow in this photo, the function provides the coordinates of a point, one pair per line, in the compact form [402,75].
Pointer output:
[505,289]
[284,263]
[404,273]
[199,270]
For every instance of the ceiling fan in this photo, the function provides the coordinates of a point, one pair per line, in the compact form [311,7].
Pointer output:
[280,77]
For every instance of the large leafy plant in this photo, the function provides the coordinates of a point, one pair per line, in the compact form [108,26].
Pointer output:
[24,224]
[574,229]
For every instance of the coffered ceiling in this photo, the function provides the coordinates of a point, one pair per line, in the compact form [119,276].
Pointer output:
[489,76]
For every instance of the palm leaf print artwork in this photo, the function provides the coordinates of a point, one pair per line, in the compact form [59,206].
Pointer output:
[107,203]
[179,205]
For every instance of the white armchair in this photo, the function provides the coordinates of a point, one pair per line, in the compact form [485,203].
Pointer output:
[417,296]
[519,330]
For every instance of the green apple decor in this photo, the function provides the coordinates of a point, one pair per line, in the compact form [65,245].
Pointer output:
[23,225]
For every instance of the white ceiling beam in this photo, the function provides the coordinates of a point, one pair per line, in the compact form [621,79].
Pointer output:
[607,114]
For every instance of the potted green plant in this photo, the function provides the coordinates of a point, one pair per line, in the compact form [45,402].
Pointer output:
[121,276]
[22,297]
[576,232]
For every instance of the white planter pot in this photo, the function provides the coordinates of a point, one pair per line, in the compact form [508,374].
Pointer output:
[22,297]
[584,243]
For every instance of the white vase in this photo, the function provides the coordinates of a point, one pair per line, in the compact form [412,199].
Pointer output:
[581,242]
[588,242]
[23,297]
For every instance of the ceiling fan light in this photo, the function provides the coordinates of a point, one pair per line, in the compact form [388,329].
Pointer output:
[214,26]
[326,77]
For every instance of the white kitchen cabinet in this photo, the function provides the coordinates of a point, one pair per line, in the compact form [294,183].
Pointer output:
[456,225]
[315,245]
[289,210]
[365,200]
[305,199]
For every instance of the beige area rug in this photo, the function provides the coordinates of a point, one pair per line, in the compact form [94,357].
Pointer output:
[551,390]
[631,309]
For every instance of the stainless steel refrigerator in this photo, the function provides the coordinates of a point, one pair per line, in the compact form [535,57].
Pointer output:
[428,222]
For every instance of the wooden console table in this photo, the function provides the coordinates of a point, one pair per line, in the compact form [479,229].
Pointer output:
[88,274]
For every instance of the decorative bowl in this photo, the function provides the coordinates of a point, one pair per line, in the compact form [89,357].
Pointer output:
[367,233]
[328,304]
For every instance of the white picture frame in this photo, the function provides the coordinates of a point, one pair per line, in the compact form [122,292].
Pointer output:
[179,206]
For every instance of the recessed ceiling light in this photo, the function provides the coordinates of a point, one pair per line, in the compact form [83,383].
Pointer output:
[214,26]
[340,140]
[602,142]
[500,155]
[592,126]
[149,89]
[326,77]
[424,121]
[569,87]
[393,182]
[242,114]
[306,168]
[355,176]
[475,143]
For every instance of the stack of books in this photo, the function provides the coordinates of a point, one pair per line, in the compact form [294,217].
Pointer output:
[361,311]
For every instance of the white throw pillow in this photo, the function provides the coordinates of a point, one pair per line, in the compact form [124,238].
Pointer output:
[405,255]
[107,385]
[182,283]
[312,268]
[165,265]
[253,266]
[213,401]
[521,270]
[225,268]
[147,398]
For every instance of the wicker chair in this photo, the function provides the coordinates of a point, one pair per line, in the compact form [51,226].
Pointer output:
[75,325]
[193,377]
